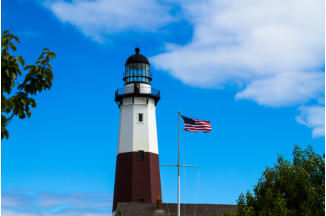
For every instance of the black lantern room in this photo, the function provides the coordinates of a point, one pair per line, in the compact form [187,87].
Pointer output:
[137,69]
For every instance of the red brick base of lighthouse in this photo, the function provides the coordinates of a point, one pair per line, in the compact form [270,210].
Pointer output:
[137,178]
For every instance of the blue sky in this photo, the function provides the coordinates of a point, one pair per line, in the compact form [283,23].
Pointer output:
[255,69]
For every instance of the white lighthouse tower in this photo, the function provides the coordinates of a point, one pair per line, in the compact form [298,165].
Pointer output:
[137,177]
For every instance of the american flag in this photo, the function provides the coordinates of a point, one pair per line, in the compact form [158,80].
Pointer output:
[195,125]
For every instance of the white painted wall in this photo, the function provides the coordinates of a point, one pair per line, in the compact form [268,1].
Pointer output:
[135,135]
[144,88]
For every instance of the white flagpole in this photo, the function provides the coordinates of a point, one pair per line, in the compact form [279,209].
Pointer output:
[179,168]
[178,165]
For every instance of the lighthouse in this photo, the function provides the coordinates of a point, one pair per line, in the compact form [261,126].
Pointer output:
[137,176]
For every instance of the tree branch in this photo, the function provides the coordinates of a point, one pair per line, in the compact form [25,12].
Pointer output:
[12,115]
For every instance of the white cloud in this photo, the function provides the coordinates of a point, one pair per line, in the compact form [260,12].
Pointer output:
[247,40]
[76,200]
[65,213]
[272,50]
[101,17]
[57,204]
[16,200]
[313,117]
[18,213]
[284,88]
[79,212]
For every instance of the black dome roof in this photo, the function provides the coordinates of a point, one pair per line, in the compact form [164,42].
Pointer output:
[137,58]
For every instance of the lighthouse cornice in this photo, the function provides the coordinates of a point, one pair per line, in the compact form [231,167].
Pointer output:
[121,94]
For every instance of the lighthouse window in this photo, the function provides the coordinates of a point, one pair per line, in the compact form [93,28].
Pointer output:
[140,155]
[131,71]
[140,117]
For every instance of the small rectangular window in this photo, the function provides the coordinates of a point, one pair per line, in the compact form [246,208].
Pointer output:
[140,117]
[141,200]
[140,155]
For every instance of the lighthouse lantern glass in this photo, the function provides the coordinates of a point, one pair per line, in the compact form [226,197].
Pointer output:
[138,72]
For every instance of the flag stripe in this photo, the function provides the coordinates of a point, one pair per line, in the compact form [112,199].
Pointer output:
[203,121]
[196,125]
[191,130]
[200,127]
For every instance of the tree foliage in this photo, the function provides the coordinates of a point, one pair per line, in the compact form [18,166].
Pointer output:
[289,188]
[16,98]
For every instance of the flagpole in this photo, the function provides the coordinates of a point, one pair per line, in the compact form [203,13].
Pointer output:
[179,167]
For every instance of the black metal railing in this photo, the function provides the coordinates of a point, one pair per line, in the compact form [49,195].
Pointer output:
[121,92]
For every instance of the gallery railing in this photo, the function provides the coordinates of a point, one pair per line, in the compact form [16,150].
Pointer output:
[152,93]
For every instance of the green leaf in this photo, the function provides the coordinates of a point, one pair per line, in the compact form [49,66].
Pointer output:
[12,83]
[52,55]
[21,60]
[5,132]
[16,38]
[33,103]
[7,72]
[21,115]
[37,79]
[41,56]
[12,46]
[289,188]
[28,66]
